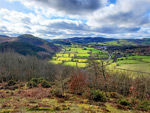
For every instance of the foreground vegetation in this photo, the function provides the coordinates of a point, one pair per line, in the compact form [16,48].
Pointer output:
[29,84]
[38,99]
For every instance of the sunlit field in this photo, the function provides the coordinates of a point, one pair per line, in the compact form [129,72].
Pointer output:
[77,57]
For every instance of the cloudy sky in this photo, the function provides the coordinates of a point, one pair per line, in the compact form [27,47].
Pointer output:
[74,18]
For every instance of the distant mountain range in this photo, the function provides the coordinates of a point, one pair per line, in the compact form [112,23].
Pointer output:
[90,39]
[44,48]
[103,41]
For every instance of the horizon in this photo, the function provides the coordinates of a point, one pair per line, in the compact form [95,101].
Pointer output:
[62,19]
[76,37]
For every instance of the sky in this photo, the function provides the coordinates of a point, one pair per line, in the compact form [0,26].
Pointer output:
[53,19]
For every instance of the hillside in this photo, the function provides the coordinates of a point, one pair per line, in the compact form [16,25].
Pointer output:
[90,39]
[144,41]
[22,48]
[27,38]
[4,38]
[102,41]
[28,45]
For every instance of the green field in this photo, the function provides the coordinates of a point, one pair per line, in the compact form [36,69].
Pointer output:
[55,62]
[78,57]
[136,67]
[134,63]
[80,60]
[140,58]
[74,56]
[128,62]
[133,59]
[82,55]
[77,50]
[64,59]
[70,63]
[76,64]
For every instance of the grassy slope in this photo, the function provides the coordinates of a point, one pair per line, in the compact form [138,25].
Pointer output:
[136,67]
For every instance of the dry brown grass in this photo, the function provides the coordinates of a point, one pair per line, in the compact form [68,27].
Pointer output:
[37,93]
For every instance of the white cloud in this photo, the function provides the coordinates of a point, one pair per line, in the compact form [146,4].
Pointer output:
[124,13]
[64,18]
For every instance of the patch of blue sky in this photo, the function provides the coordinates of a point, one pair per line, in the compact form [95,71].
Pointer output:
[112,1]
[14,6]
[148,13]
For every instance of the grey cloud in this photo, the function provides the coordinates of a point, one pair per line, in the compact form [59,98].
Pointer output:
[121,17]
[72,6]
[27,27]
[124,18]
[50,31]
[116,30]
[26,20]
[127,13]
[3,29]
[68,25]
[84,28]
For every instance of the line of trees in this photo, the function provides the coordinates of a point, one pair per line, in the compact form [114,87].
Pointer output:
[23,68]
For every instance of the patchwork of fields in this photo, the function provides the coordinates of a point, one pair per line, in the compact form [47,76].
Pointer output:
[78,56]
[134,63]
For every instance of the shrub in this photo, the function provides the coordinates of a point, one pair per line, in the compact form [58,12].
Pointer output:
[144,106]
[11,83]
[98,95]
[115,95]
[36,80]
[134,101]
[124,102]
[56,92]
[78,83]
[33,82]
[41,79]
[45,84]
[86,94]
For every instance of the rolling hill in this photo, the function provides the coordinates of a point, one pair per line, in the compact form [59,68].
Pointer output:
[28,45]
[102,41]
[4,38]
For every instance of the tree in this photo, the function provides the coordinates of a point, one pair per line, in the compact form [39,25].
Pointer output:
[99,69]
[62,77]
[78,82]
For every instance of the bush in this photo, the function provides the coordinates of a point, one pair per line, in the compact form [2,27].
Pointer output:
[56,92]
[86,94]
[33,82]
[45,84]
[115,95]
[78,83]
[144,106]
[11,83]
[134,101]
[36,80]
[41,79]
[98,95]
[124,102]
